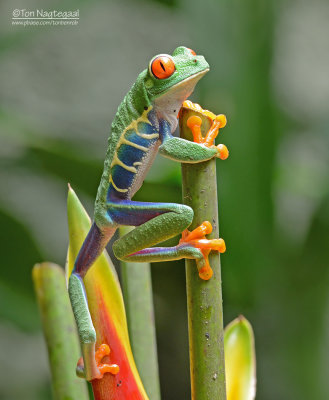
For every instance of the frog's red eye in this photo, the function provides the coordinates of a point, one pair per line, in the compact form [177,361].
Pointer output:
[162,67]
[192,51]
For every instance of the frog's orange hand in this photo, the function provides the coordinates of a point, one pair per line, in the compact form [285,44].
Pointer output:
[197,238]
[195,122]
[103,350]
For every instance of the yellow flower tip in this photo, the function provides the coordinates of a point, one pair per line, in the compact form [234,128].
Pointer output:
[240,360]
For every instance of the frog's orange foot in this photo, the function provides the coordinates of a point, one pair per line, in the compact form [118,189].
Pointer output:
[196,107]
[194,123]
[103,350]
[197,238]
[223,152]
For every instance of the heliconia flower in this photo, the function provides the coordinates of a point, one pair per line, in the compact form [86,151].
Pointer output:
[107,311]
[240,360]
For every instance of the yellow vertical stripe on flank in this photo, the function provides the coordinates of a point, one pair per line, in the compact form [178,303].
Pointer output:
[117,161]
[116,187]
[132,126]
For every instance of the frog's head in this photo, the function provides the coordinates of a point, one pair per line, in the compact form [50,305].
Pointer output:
[169,80]
[183,69]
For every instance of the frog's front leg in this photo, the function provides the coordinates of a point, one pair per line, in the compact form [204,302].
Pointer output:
[201,149]
[156,222]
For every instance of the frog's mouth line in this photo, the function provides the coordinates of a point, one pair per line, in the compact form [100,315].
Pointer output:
[196,75]
[185,81]
[183,89]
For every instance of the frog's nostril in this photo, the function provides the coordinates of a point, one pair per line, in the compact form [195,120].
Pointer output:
[195,60]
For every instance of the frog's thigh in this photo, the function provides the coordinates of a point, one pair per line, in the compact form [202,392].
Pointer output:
[155,222]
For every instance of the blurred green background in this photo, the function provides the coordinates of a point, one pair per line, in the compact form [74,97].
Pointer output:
[60,88]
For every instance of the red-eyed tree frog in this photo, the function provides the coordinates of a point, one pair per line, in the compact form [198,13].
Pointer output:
[142,127]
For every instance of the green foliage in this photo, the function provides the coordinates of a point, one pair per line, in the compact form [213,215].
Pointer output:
[59,330]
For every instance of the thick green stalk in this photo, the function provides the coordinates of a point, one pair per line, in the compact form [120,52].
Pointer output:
[138,298]
[204,298]
[60,331]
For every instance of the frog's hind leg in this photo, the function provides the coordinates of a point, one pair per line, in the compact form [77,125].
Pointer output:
[155,223]
[92,248]
[91,367]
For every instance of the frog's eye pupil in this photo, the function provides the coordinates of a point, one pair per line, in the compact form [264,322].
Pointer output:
[192,51]
[162,67]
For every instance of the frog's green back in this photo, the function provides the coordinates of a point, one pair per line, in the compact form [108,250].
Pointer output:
[130,109]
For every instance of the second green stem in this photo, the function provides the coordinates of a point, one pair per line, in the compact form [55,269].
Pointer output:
[204,298]
[138,297]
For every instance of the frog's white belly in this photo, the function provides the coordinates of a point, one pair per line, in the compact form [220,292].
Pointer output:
[143,169]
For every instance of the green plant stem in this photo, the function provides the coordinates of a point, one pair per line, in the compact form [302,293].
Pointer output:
[204,298]
[59,330]
[138,298]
